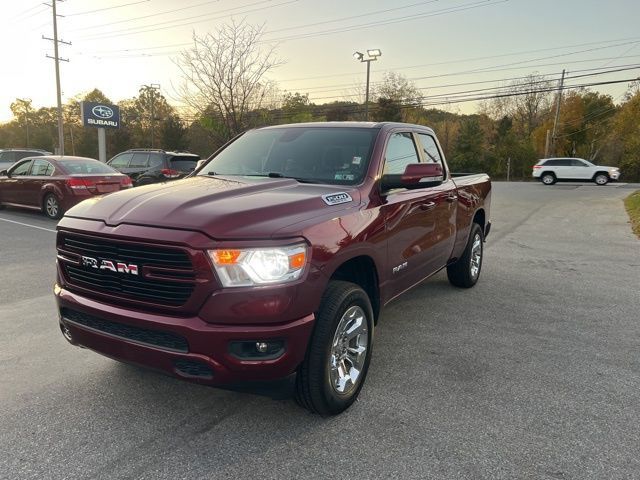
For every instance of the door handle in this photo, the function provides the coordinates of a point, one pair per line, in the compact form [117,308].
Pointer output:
[452,197]
[427,206]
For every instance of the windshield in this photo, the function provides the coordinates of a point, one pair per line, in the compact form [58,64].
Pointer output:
[88,166]
[308,154]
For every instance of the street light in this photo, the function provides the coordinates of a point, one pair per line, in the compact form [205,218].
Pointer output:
[372,57]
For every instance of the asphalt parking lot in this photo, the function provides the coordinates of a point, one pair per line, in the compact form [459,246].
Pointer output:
[534,373]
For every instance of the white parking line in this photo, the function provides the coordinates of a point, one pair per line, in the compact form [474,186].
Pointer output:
[28,225]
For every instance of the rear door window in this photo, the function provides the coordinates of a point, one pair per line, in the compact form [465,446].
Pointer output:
[139,160]
[42,168]
[401,151]
[121,161]
[156,160]
[429,148]
[184,163]
[577,163]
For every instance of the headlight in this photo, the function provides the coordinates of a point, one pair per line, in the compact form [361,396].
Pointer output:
[259,266]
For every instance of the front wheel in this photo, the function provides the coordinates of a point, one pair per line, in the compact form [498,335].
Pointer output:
[466,271]
[51,207]
[335,366]
[601,179]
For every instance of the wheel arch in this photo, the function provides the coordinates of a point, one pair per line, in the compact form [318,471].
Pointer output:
[362,270]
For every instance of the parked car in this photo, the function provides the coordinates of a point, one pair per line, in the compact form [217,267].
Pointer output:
[146,166]
[551,170]
[54,184]
[9,156]
[275,257]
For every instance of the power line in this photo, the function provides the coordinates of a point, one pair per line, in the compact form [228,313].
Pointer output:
[199,19]
[478,4]
[106,8]
[127,20]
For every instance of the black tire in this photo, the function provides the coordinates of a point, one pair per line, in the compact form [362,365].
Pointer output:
[548,178]
[314,387]
[461,274]
[601,178]
[51,207]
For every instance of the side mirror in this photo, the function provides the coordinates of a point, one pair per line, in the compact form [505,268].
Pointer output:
[200,163]
[416,175]
[4,173]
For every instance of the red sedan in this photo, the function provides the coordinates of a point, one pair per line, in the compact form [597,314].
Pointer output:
[54,184]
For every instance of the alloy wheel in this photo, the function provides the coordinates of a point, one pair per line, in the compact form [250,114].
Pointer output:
[348,350]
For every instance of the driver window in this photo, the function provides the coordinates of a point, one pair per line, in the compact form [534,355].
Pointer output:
[21,169]
[401,151]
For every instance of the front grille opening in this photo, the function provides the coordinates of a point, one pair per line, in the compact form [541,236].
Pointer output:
[169,281]
[157,291]
[121,251]
[155,338]
[193,368]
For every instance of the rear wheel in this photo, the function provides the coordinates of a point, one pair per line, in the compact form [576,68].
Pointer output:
[335,366]
[466,271]
[51,207]
[548,178]
[601,179]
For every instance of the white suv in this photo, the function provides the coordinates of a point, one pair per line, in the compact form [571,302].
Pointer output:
[550,170]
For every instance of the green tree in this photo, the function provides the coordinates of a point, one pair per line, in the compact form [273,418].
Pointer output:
[173,134]
[470,149]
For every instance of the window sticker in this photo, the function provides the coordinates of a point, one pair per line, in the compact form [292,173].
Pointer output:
[344,176]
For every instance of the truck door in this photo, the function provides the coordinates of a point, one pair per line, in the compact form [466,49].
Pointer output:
[420,223]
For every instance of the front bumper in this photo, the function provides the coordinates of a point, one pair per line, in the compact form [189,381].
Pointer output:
[201,352]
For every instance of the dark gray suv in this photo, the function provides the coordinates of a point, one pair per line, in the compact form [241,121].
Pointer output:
[9,156]
[146,166]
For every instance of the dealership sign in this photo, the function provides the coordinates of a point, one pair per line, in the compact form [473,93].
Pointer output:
[100,115]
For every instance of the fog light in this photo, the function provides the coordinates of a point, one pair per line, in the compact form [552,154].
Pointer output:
[257,350]
[66,332]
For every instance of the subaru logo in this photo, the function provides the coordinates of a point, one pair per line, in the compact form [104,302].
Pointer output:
[101,111]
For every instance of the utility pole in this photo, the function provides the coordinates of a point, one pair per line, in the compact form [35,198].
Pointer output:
[547,143]
[152,88]
[57,60]
[555,121]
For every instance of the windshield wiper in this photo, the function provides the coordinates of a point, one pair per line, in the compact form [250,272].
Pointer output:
[280,175]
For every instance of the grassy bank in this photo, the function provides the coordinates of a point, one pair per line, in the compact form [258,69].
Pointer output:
[632,203]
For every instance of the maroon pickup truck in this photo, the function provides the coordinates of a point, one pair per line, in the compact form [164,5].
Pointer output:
[275,256]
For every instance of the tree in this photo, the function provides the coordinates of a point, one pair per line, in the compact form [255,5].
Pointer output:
[224,73]
[470,150]
[623,140]
[173,134]
[296,108]
[398,98]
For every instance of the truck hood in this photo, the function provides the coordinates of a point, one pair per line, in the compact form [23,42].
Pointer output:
[220,207]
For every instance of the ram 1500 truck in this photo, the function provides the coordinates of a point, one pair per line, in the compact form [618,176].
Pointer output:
[275,256]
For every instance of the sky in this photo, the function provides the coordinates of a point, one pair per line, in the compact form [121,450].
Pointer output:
[443,46]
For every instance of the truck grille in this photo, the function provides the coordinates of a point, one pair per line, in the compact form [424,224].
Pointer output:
[165,340]
[165,275]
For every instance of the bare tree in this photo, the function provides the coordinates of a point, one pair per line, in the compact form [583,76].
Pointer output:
[224,74]
[526,101]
